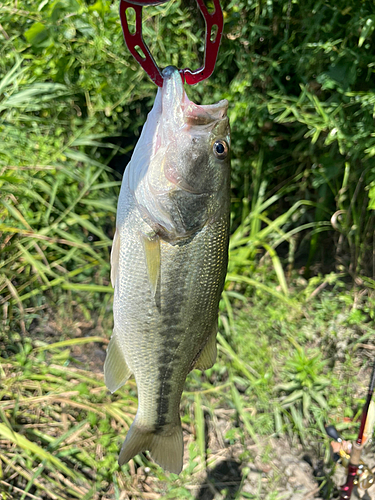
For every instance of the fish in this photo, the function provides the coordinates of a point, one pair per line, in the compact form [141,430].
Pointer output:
[168,264]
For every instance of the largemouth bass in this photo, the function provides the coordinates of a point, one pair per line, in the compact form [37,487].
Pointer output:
[169,260]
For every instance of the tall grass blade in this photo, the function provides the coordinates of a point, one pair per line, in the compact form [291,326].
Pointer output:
[42,454]
[200,427]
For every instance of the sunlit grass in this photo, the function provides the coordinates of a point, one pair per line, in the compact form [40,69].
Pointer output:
[61,430]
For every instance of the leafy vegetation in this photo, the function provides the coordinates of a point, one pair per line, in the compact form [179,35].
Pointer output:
[296,317]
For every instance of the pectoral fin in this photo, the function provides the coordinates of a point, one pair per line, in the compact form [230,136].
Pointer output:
[116,371]
[151,245]
[115,257]
[207,357]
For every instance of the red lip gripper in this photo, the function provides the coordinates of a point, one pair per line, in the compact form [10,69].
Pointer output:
[214,30]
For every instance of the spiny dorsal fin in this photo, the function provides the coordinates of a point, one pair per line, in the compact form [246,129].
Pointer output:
[207,357]
[151,245]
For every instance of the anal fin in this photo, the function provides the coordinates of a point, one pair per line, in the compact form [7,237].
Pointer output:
[116,371]
[207,357]
[151,246]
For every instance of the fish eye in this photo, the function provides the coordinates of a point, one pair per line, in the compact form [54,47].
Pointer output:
[220,149]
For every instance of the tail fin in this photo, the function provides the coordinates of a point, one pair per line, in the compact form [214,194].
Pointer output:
[166,449]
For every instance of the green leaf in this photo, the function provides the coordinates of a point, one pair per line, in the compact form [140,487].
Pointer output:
[371,195]
[87,288]
[70,342]
[306,400]
[242,413]
[319,399]
[298,421]
[33,96]
[100,7]
[278,420]
[292,397]
[367,29]
[200,427]
[261,286]
[37,34]
[11,77]
[278,268]
[291,386]
[236,360]
[11,179]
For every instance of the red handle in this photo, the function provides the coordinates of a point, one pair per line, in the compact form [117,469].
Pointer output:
[141,53]
[134,40]
[212,43]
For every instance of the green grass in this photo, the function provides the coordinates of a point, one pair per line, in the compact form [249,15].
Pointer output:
[62,430]
[56,201]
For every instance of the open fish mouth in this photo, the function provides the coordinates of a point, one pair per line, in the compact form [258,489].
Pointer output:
[175,103]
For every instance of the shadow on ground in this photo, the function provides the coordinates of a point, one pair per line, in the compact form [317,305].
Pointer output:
[225,478]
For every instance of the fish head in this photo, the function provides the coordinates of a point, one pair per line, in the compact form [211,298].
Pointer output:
[195,139]
[186,181]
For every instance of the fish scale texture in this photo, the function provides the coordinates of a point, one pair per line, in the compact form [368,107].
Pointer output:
[161,336]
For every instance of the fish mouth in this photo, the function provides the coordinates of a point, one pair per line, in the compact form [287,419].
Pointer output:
[172,92]
[175,100]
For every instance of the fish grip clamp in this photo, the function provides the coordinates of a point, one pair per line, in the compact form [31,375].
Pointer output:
[136,44]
